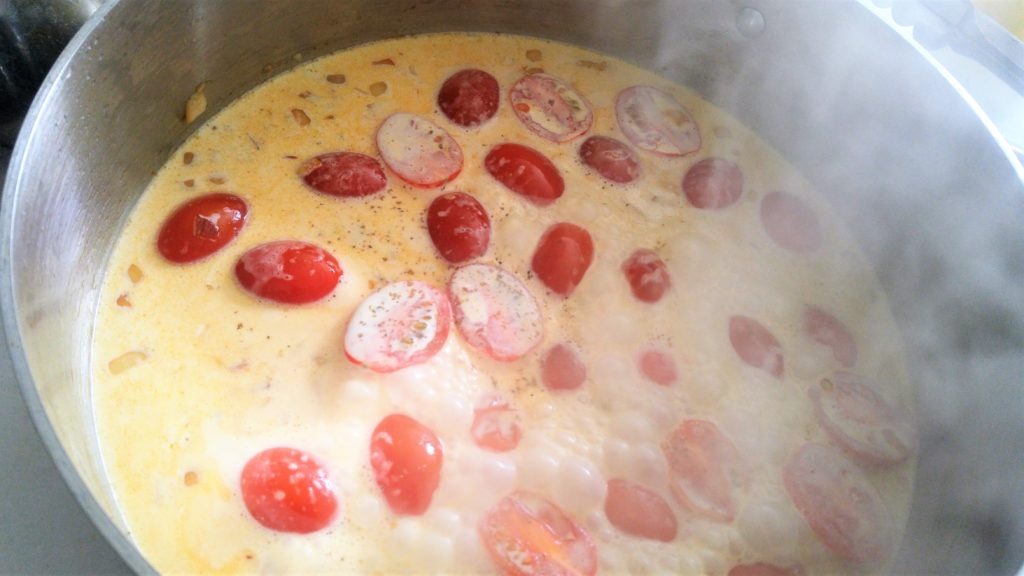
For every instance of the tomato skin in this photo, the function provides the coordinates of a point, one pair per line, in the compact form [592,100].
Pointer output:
[610,158]
[647,275]
[562,369]
[790,222]
[756,345]
[713,184]
[526,535]
[459,227]
[658,366]
[704,466]
[563,255]
[344,174]
[406,458]
[637,511]
[287,490]
[526,172]
[496,426]
[469,97]
[550,108]
[201,226]
[827,330]
[288,271]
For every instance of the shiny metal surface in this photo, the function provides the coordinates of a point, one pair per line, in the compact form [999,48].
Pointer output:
[929,191]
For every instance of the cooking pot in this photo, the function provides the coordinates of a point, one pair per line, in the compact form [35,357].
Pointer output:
[931,193]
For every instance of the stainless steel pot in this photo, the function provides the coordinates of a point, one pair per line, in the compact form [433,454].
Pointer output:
[933,195]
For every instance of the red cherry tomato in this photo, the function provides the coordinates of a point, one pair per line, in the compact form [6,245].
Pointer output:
[496,426]
[654,121]
[756,345]
[201,227]
[406,458]
[288,271]
[658,366]
[402,324]
[345,174]
[610,158]
[287,490]
[647,275]
[550,107]
[713,184]
[860,421]
[419,151]
[839,503]
[762,569]
[639,512]
[704,467]
[459,227]
[494,312]
[790,222]
[562,369]
[527,535]
[469,97]
[562,257]
[826,330]
[526,172]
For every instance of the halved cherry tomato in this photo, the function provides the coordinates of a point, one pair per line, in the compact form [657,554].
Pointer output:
[562,369]
[469,97]
[406,458]
[790,222]
[287,490]
[756,345]
[459,226]
[839,503]
[419,151]
[494,312]
[562,257]
[610,158]
[639,512]
[861,422]
[550,107]
[658,366]
[526,172]
[288,271]
[527,535]
[713,184]
[826,330]
[654,121]
[201,227]
[402,324]
[496,426]
[763,569]
[647,275]
[704,467]
[345,174]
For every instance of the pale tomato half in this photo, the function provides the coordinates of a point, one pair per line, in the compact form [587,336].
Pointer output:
[656,122]
[494,311]
[704,469]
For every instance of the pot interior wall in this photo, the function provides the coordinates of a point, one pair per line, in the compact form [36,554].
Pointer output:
[922,183]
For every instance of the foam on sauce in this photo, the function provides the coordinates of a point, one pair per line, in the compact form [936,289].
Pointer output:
[223,375]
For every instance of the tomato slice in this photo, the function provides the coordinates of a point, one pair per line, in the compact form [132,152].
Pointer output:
[496,426]
[826,330]
[287,490]
[756,345]
[610,158]
[469,97]
[201,227]
[562,369]
[790,222]
[550,107]
[704,467]
[640,512]
[458,226]
[419,151]
[658,366]
[654,121]
[713,184]
[288,271]
[494,312]
[839,503]
[402,324]
[860,421]
[526,172]
[764,569]
[345,174]
[406,458]
[562,257]
[647,275]
[527,535]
